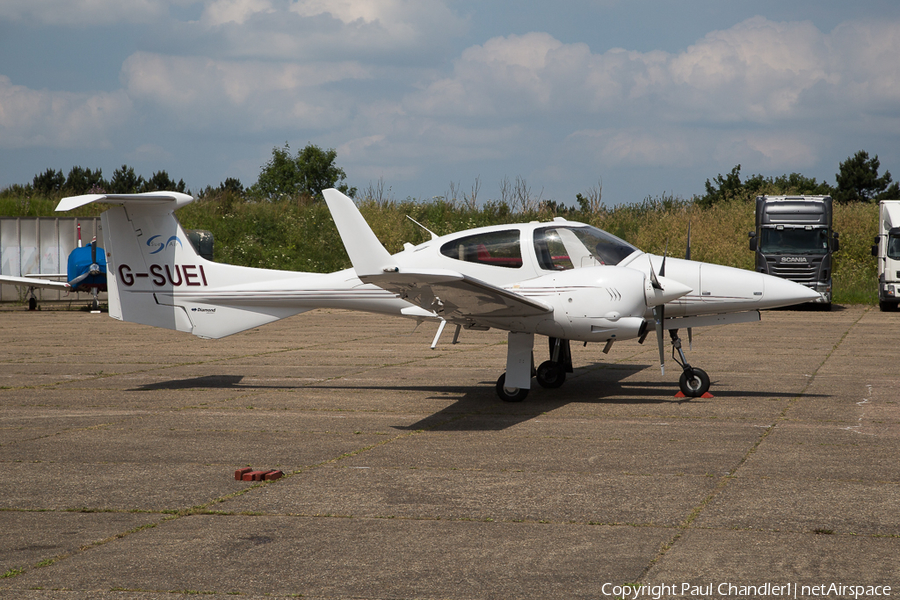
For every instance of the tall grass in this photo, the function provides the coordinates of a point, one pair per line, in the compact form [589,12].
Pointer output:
[856,272]
[299,234]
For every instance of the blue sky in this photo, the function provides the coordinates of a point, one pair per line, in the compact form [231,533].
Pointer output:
[427,96]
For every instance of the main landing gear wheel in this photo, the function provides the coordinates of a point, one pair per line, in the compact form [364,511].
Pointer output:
[693,382]
[551,374]
[508,394]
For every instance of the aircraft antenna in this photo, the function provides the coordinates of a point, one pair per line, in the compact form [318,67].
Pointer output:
[434,236]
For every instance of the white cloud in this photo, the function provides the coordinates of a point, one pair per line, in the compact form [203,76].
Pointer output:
[348,11]
[219,12]
[85,12]
[241,95]
[406,18]
[647,108]
[756,71]
[366,30]
[42,118]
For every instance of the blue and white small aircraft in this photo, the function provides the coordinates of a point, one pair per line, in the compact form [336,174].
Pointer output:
[561,279]
[85,272]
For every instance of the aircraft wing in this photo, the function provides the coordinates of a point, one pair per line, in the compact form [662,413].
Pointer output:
[449,294]
[456,297]
[34,282]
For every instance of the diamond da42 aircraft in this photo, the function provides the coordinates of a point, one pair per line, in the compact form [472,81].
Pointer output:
[564,280]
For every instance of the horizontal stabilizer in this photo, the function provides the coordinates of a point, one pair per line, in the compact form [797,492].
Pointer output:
[173,199]
[34,282]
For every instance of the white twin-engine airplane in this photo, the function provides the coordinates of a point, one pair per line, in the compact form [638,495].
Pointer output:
[561,279]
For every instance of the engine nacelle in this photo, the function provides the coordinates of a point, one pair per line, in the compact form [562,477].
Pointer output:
[595,304]
[605,330]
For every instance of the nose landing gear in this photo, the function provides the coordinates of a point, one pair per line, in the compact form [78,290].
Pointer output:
[694,382]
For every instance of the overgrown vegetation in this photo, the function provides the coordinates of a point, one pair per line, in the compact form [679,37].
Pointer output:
[283,224]
[298,234]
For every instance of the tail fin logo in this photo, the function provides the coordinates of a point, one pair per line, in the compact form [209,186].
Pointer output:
[160,246]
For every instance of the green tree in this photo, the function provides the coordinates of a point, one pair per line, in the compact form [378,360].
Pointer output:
[730,186]
[160,181]
[795,183]
[858,180]
[49,182]
[124,181]
[306,174]
[723,188]
[233,185]
[81,181]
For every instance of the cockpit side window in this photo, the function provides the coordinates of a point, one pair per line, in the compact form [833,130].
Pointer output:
[497,248]
[563,248]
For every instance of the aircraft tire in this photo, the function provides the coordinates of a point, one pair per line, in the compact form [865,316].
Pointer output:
[550,374]
[510,394]
[695,384]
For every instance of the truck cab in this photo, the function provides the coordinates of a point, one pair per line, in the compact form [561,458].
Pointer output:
[887,251]
[794,240]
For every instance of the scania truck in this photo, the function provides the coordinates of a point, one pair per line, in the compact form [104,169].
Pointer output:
[887,251]
[794,240]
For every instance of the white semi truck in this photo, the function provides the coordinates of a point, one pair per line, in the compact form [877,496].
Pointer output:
[887,251]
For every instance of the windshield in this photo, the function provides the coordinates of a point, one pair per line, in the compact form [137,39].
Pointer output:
[563,248]
[794,241]
[893,249]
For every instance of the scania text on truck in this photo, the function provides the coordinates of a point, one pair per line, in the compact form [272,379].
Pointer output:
[794,240]
[887,251]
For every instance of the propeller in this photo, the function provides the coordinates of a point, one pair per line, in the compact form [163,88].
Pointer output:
[659,310]
[687,253]
[675,290]
[687,256]
[93,270]
[660,291]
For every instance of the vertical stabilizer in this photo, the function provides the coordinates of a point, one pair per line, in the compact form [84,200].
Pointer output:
[156,277]
[148,257]
[366,253]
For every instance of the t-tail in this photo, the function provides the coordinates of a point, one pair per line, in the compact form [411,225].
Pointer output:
[156,277]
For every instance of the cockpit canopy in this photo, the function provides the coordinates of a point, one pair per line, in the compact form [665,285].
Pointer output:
[557,247]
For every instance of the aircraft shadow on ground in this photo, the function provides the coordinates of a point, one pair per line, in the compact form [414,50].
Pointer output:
[205,382]
[477,408]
